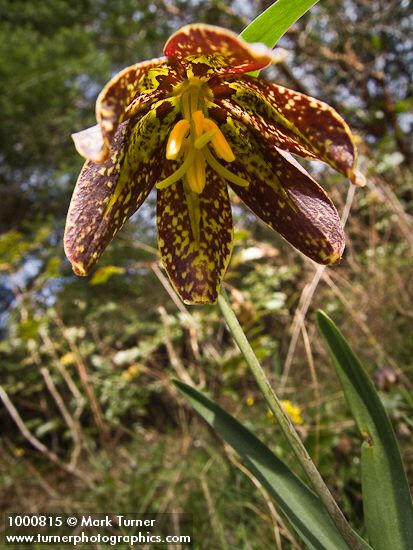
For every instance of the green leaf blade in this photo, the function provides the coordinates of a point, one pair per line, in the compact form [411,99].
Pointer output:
[302,508]
[275,21]
[386,495]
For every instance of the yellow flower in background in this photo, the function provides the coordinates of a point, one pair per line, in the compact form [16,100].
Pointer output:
[131,372]
[68,359]
[293,411]
[19,452]
[191,124]
[250,401]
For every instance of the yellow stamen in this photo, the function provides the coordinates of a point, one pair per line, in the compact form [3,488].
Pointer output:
[196,173]
[190,138]
[180,173]
[222,171]
[221,146]
[176,138]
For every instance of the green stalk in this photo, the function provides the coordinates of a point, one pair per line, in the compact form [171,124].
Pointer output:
[286,425]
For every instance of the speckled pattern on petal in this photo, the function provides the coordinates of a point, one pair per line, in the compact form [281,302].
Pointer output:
[132,91]
[314,122]
[206,51]
[285,197]
[107,194]
[195,268]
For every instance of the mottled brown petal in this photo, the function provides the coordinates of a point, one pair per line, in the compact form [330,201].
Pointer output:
[285,196]
[107,194]
[131,92]
[290,120]
[204,50]
[195,268]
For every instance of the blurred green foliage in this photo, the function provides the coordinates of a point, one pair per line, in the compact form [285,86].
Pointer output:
[87,362]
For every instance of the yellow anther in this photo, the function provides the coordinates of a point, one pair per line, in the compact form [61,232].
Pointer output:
[196,173]
[189,138]
[209,124]
[221,146]
[222,171]
[176,138]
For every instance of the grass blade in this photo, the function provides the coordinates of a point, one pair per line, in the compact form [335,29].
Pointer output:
[386,496]
[301,507]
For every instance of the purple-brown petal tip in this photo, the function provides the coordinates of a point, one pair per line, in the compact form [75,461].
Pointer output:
[210,50]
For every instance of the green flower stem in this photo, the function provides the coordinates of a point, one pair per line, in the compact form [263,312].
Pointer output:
[286,425]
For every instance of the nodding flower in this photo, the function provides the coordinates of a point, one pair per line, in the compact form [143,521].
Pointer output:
[190,124]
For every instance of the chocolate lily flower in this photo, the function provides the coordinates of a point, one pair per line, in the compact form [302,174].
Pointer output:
[191,124]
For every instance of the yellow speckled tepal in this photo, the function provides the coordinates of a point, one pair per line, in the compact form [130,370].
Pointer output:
[191,123]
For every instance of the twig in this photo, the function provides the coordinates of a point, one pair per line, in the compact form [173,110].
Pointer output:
[71,423]
[167,286]
[78,397]
[84,379]
[299,318]
[365,329]
[306,298]
[314,378]
[173,356]
[192,327]
[38,445]
[50,347]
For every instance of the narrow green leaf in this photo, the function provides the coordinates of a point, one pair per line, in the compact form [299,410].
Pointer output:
[303,509]
[386,496]
[269,27]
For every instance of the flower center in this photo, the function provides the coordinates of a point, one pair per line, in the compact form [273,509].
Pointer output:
[191,138]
